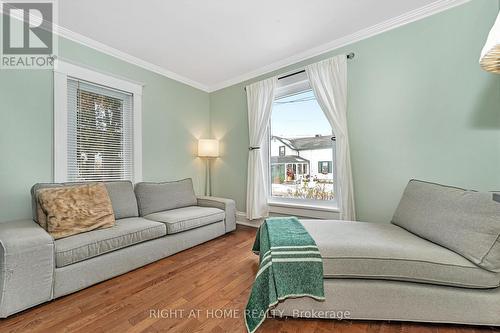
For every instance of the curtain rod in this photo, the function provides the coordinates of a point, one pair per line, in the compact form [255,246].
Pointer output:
[348,56]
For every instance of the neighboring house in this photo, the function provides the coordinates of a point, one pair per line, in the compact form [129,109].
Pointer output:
[298,158]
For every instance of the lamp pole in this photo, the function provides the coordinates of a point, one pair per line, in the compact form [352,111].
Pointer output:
[208,180]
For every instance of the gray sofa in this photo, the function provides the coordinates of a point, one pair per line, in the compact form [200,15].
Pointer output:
[438,261]
[152,222]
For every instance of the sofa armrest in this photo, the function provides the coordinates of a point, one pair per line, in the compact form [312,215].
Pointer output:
[26,266]
[227,205]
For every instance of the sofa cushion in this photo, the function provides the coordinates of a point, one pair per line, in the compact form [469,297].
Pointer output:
[123,199]
[158,197]
[182,219]
[121,194]
[387,252]
[466,222]
[124,233]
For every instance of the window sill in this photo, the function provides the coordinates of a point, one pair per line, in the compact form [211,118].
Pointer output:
[304,209]
[323,208]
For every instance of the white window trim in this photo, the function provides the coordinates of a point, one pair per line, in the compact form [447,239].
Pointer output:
[304,204]
[64,70]
[287,87]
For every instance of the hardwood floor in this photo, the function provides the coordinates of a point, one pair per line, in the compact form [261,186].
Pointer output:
[189,287]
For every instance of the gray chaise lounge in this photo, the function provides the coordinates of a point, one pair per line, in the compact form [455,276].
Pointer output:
[155,221]
[438,261]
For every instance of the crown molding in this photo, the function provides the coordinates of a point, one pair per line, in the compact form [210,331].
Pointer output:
[106,49]
[409,17]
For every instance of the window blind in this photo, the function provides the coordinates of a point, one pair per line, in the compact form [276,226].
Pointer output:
[100,133]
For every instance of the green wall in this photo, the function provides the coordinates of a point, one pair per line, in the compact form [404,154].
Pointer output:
[174,115]
[419,106]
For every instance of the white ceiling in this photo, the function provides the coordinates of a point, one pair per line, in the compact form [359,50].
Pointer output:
[212,44]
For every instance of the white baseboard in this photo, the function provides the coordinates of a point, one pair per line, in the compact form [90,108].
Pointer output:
[241,218]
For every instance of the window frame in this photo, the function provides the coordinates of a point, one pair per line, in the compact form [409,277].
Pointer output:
[62,72]
[289,86]
[329,166]
[282,153]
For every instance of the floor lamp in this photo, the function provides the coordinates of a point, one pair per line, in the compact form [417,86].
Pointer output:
[208,149]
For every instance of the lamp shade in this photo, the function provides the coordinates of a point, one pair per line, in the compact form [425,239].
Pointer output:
[490,56]
[208,148]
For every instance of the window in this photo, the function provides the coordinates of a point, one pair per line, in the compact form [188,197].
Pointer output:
[304,172]
[325,167]
[97,126]
[282,150]
[99,133]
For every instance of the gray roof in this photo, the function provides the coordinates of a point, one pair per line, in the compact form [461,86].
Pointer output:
[309,143]
[288,159]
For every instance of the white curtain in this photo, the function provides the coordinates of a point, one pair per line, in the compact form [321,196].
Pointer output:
[328,80]
[260,97]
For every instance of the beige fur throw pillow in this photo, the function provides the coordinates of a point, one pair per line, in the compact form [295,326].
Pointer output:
[71,210]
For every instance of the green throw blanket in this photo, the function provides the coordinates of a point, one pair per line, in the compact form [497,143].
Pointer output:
[290,266]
